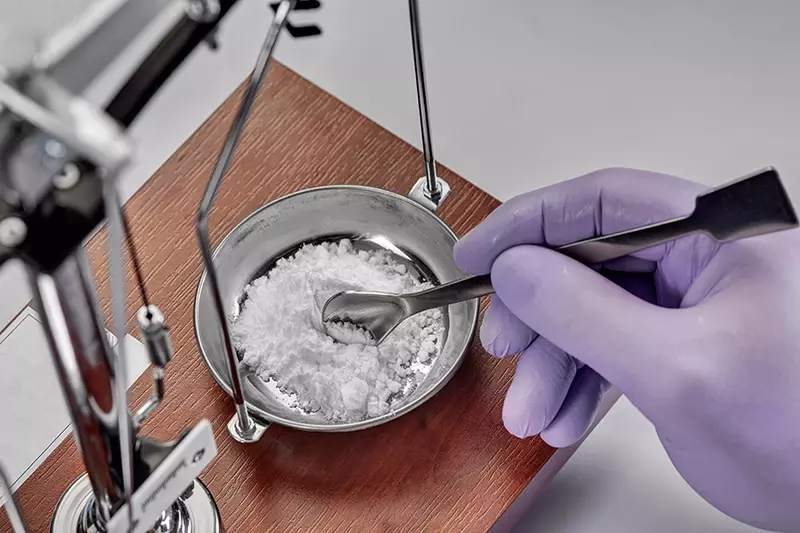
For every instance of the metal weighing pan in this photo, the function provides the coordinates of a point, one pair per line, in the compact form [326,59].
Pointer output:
[406,227]
[372,218]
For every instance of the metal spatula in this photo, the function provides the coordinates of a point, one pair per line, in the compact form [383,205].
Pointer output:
[753,205]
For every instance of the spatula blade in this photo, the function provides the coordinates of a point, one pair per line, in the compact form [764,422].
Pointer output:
[753,205]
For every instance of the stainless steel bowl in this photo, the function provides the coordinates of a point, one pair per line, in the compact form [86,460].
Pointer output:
[371,218]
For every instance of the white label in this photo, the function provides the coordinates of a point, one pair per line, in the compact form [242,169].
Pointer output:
[172,477]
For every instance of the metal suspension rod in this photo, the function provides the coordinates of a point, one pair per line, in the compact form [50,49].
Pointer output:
[245,429]
[432,185]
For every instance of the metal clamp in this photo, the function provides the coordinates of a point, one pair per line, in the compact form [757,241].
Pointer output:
[430,190]
[155,335]
[243,428]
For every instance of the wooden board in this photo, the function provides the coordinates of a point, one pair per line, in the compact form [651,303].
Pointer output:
[448,466]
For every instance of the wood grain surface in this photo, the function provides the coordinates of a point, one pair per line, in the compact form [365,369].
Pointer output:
[447,466]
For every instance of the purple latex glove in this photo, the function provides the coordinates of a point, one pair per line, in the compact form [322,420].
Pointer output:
[708,352]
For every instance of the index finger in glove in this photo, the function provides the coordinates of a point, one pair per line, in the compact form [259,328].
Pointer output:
[599,203]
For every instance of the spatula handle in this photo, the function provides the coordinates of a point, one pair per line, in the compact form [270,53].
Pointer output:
[616,245]
[450,293]
[719,213]
[589,251]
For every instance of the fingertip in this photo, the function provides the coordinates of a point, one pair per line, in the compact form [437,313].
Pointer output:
[510,259]
[518,417]
[562,436]
[518,427]
[503,334]
[514,271]
[470,256]
[578,410]
[541,382]
[515,222]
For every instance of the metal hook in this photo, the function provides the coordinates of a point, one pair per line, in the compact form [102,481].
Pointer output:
[242,427]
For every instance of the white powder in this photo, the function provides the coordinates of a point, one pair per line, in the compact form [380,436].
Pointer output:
[281,336]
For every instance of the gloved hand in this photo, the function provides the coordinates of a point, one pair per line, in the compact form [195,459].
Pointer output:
[709,352]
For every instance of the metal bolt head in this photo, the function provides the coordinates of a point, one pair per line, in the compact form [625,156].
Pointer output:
[203,10]
[53,154]
[55,149]
[422,195]
[12,231]
[254,435]
[67,177]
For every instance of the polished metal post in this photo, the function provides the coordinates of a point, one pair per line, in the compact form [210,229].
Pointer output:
[83,361]
[242,428]
[430,190]
[116,274]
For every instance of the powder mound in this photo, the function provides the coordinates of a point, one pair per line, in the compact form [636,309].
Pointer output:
[280,333]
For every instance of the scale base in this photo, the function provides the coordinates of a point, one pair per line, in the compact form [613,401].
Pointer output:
[420,194]
[195,511]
